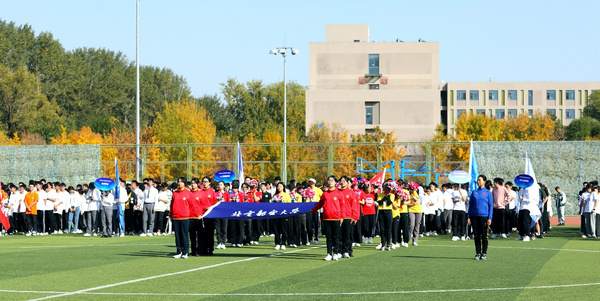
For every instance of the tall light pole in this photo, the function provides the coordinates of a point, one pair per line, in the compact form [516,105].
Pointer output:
[137,91]
[283,52]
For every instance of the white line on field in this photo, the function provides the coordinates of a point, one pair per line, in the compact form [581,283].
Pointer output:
[79,246]
[169,274]
[87,292]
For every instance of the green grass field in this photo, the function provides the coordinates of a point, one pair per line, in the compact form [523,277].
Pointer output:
[562,266]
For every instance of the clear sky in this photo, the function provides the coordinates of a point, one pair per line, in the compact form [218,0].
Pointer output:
[208,41]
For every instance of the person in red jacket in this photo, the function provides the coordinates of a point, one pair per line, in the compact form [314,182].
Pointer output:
[348,204]
[180,214]
[195,214]
[208,198]
[332,218]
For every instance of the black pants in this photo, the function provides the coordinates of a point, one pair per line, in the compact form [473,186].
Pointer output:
[138,220]
[20,222]
[237,231]
[256,224]
[395,229]
[480,230]
[221,227]
[182,240]
[247,231]
[31,222]
[333,234]
[498,221]
[316,226]
[459,219]
[309,226]
[358,230]
[129,224]
[404,227]
[57,222]
[194,229]
[385,224]
[160,221]
[206,244]
[281,231]
[368,223]
[302,229]
[347,236]
[524,223]
[430,222]
[49,223]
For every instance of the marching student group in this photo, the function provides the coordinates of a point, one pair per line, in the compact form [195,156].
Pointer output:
[349,212]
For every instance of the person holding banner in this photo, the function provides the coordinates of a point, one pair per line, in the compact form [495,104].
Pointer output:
[281,224]
[194,220]
[236,226]
[350,215]
[221,224]
[480,214]
[180,213]
[332,218]
[206,245]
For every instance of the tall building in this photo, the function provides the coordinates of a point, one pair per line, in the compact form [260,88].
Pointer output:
[361,84]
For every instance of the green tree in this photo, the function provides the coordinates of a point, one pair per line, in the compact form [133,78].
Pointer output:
[592,109]
[583,128]
[22,106]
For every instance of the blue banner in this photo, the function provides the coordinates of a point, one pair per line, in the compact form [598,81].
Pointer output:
[231,210]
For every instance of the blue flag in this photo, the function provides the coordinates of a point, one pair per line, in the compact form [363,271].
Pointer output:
[473,170]
[240,167]
[118,192]
[233,210]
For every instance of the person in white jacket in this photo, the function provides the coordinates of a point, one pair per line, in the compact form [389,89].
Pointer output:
[160,206]
[107,201]
[74,209]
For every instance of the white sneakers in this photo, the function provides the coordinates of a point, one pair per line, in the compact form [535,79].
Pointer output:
[149,234]
[184,256]
[283,247]
[455,238]
[503,235]
[346,255]
[405,244]
[277,247]
[463,238]
[328,257]
[394,246]
[178,255]
[526,238]
[87,234]
[379,246]
[143,235]
[221,246]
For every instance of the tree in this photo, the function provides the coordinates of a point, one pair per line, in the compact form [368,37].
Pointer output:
[218,113]
[184,122]
[22,106]
[592,109]
[584,128]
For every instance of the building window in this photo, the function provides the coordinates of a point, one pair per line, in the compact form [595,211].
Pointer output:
[373,86]
[493,95]
[512,94]
[550,94]
[480,111]
[461,95]
[512,113]
[530,112]
[459,112]
[570,94]
[474,95]
[570,113]
[530,97]
[371,113]
[551,112]
[373,63]
[500,114]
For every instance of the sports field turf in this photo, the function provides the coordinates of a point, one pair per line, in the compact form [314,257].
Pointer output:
[562,266]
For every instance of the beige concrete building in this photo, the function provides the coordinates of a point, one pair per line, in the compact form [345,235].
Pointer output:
[362,84]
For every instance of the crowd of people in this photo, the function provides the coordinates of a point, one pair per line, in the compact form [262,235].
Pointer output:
[348,212]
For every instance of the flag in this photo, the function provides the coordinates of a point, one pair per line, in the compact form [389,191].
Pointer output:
[378,178]
[3,218]
[473,171]
[534,193]
[240,167]
[117,198]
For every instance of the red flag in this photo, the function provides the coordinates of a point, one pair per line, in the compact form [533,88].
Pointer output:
[378,178]
[4,221]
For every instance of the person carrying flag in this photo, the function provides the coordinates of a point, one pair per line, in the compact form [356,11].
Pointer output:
[480,213]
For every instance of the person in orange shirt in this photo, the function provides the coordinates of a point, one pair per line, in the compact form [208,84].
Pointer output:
[31,200]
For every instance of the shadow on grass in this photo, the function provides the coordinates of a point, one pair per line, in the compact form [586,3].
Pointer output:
[299,255]
[434,257]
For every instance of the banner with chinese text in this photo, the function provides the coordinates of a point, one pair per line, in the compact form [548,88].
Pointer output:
[231,210]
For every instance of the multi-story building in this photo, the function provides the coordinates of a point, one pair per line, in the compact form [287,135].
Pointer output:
[362,84]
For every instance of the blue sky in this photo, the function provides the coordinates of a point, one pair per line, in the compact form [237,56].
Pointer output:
[208,41]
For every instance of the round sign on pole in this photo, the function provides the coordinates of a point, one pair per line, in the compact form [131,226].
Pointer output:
[105,184]
[459,176]
[524,181]
[226,176]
